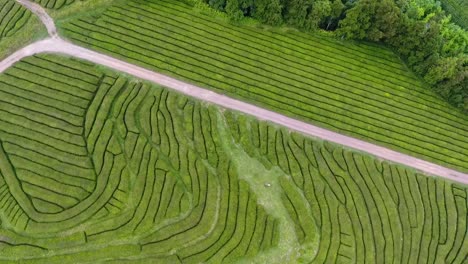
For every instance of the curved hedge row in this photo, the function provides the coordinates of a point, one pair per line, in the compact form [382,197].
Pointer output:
[13,17]
[95,167]
[54,4]
[459,11]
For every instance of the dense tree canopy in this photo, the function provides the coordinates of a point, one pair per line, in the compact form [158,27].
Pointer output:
[419,30]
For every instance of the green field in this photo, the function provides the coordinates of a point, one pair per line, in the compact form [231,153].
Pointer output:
[17,27]
[99,167]
[362,90]
[95,166]
[54,4]
[13,17]
[459,11]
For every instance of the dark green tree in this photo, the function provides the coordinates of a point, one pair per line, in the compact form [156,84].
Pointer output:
[247,7]
[371,19]
[358,20]
[217,4]
[268,11]
[295,12]
[337,9]
[454,39]
[320,10]
[233,10]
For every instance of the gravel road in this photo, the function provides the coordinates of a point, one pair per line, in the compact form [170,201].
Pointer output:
[43,16]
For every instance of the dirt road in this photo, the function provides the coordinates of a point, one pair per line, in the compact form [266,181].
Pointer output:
[57,45]
[43,16]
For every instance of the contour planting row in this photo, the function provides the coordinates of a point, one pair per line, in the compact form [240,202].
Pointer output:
[44,158]
[365,210]
[13,17]
[323,82]
[54,4]
[88,157]
[306,51]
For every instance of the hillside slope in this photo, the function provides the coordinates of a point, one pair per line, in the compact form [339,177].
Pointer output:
[360,90]
[98,167]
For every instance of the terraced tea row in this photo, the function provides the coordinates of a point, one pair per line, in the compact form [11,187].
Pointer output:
[96,167]
[13,17]
[87,158]
[54,4]
[365,210]
[360,90]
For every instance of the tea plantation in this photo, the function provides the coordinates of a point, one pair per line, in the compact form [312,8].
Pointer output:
[12,17]
[99,167]
[359,89]
[102,167]
[18,27]
[355,208]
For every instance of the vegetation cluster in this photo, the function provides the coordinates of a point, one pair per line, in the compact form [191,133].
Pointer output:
[13,17]
[97,167]
[100,167]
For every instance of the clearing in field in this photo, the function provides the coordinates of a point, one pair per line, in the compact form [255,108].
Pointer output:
[361,90]
[95,166]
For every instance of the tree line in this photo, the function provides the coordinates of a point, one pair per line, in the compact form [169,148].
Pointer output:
[418,30]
